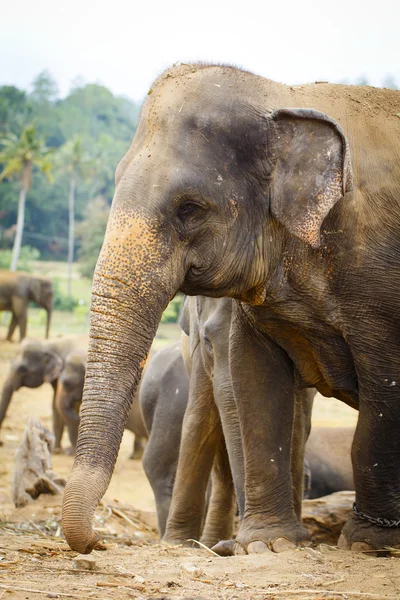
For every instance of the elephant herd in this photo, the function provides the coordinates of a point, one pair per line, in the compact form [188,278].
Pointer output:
[185,459]
[62,363]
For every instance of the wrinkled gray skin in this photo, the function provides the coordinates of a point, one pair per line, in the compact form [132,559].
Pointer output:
[69,398]
[236,186]
[38,362]
[17,290]
[328,456]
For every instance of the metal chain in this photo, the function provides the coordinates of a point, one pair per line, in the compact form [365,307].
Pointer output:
[378,521]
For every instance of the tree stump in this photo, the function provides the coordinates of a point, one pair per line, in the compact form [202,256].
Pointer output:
[324,517]
[33,473]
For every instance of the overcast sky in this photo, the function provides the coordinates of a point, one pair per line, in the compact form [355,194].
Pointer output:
[125,44]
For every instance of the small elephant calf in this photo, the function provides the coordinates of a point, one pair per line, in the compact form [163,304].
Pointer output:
[69,398]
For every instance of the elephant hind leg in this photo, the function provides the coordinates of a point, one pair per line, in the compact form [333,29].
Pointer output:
[222,506]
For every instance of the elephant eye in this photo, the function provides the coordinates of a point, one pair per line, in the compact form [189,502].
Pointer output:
[207,343]
[190,212]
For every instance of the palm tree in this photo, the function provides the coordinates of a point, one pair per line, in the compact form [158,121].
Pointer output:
[19,156]
[74,160]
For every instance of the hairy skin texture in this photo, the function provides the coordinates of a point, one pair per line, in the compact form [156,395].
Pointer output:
[238,186]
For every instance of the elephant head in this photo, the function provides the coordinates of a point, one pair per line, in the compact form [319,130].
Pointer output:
[34,365]
[212,186]
[41,292]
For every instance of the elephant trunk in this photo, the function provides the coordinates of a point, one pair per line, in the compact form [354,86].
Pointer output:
[48,321]
[11,384]
[133,283]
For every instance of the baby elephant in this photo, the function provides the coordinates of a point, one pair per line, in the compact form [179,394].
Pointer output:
[69,398]
[38,362]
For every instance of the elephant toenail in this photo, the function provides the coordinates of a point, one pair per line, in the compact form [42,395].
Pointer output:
[343,544]
[361,547]
[238,549]
[282,544]
[257,548]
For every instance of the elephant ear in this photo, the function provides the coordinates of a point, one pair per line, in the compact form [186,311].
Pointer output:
[311,173]
[53,366]
[35,290]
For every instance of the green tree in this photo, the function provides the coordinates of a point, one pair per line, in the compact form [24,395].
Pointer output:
[15,109]
[74,160]
[20,155]
[91,232]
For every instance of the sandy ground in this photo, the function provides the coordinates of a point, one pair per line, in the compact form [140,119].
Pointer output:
[36,562]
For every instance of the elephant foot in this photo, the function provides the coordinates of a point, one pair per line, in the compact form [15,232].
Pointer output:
[360,535]
[225,547]
[137,455]
[255,538]
[57,450]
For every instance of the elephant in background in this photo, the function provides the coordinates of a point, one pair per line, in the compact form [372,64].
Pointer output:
[249,192]
[17,290]
[328,457]
[38,362]
[68,400]
[164,391]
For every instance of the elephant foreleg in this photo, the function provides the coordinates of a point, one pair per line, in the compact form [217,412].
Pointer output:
[20,309]
[263,383]
[58,420]
[12,327]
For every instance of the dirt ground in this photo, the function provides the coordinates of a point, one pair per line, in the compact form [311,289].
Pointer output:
[35,561]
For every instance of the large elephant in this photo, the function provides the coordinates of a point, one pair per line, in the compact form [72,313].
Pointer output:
[38,362]
[17,290]
[238,186]
[69,398]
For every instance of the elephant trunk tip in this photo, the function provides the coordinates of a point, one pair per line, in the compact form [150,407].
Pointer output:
[77,513]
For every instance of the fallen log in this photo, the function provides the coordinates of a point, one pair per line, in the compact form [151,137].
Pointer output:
[324,517]
[33,474]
